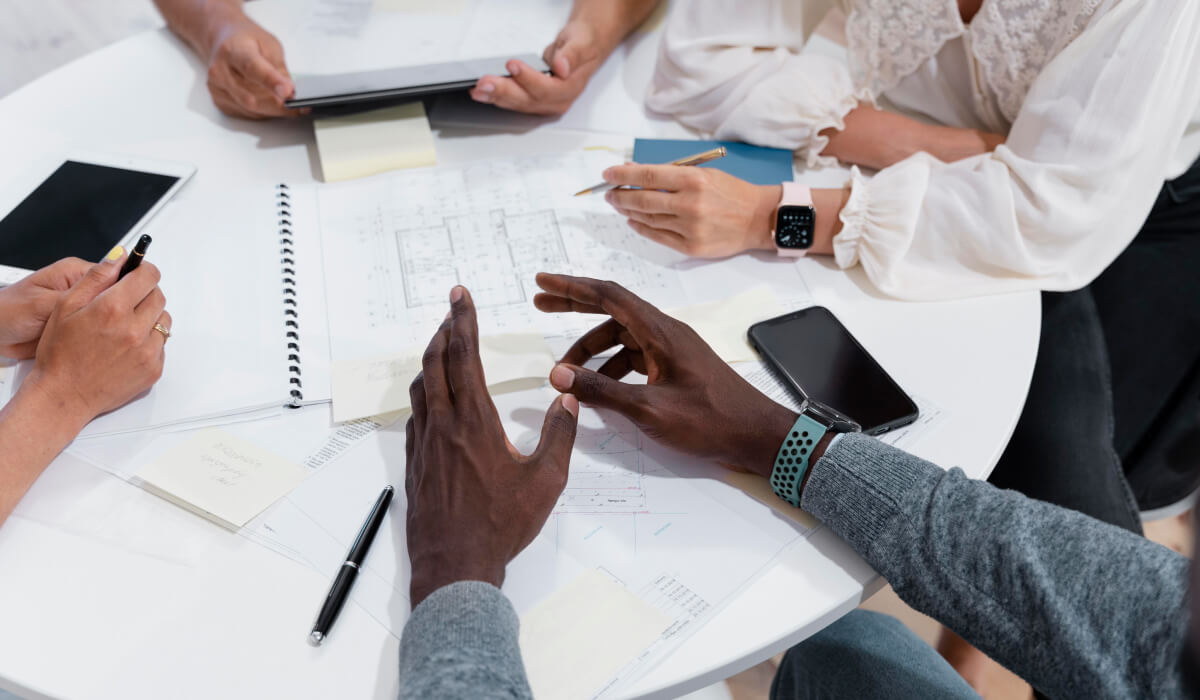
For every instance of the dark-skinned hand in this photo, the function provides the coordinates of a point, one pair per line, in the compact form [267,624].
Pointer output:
[474,502]
[692,401]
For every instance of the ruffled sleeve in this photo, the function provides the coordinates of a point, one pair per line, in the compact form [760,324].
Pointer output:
[714,75]
[1099,132]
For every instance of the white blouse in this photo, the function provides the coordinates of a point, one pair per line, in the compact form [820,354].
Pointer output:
[1100,100]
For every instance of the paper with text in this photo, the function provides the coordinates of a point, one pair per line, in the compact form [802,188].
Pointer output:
[574,642]
[372,386]
[222,477]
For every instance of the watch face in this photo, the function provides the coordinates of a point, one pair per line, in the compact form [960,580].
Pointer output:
[794,227]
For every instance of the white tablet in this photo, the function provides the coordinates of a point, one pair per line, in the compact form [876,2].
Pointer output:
[80,206]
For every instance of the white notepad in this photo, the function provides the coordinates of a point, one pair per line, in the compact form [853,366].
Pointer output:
[245,289]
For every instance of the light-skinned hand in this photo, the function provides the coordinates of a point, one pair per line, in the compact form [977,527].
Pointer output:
[247,75]
[99,348]
[701,212]
[574,57]
[474,502]
[26,306]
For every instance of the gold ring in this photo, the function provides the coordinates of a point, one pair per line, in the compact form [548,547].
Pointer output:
[166,334]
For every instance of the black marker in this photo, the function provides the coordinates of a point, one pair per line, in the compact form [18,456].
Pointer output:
[340,590]
[136,255]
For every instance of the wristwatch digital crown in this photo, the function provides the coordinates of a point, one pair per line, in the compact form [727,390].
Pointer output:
[792,463]
[795,220]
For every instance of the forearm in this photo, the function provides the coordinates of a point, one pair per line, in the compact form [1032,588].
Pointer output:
[34,428]
[876,139]
[199,22]
[612,20]
[462,642]
[1065,601]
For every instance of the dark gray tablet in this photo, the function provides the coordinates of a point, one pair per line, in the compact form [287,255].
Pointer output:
[389,84]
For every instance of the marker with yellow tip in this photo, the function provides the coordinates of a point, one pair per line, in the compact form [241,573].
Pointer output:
[135,256]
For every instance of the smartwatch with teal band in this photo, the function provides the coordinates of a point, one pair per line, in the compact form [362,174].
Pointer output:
[791,464]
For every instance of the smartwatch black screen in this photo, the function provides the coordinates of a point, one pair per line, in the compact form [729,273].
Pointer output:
[794,227]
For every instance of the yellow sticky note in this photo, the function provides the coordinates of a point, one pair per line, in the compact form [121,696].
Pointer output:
[760,490]
[373,142]
[362,388]
[222,477]
[723,324]
[576,640]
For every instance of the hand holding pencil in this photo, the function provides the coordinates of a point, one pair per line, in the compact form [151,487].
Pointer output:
[693,160]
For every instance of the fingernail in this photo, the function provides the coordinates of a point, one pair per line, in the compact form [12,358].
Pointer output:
[485,98]
[115,253]
[608,175]
[456,294]
[571,404]
[282,91]
[487,88]
[515,69]
[561,377]
[609,196]
[566,68]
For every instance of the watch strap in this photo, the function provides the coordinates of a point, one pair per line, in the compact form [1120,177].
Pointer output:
[794,195]
[791,464]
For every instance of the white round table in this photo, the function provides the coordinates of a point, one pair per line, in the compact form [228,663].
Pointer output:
[107,591]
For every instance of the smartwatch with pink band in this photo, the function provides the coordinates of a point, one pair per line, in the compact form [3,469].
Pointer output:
[795,220]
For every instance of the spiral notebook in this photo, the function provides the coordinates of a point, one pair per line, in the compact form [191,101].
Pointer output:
[244,283]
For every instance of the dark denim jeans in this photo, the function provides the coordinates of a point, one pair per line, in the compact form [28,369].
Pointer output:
[1115,396]
[867,655]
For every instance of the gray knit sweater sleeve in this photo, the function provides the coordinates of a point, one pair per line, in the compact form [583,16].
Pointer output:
[1079,608]
[462,642]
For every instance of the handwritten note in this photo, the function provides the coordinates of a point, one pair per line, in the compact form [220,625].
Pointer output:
[511,362]
[221,477]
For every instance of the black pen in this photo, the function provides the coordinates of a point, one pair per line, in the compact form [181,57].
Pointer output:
[340,590]
[136,255]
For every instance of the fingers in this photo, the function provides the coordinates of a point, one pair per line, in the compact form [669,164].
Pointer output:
[433,371]
[99,278]
[598,390]
[130,291]
[148,311]
[641,319]
[410,462]
[558,435]
[668,178]
[249,63]
[464,368]
[644,201]
[607,335]
[620,365]
[64,274]
[164,320]
[670,239]
[525,90]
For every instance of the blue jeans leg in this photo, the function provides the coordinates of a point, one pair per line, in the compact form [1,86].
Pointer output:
[867,655]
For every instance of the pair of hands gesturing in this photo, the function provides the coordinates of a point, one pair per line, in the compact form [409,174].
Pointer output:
[474,502]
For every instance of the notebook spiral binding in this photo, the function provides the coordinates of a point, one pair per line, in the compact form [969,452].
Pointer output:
[291,310]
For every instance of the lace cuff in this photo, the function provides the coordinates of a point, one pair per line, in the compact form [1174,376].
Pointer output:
[880,219]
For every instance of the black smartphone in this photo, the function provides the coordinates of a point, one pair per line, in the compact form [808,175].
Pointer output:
[814,353]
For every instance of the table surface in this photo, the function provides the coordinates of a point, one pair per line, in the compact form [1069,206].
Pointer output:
[108,591]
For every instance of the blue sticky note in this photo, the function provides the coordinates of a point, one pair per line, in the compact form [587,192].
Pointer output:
[754,164]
